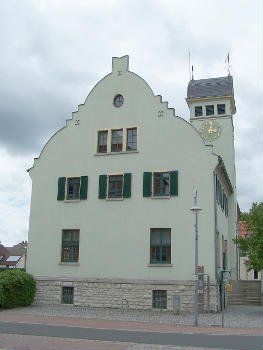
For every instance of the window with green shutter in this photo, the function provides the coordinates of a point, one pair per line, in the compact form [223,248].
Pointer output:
[115,186]
[160,184]
[72,188]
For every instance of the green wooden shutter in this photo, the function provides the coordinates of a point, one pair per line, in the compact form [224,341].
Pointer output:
[84,187]
[127,185]
[61,188]
[147,184]
[102,186]
[174,183]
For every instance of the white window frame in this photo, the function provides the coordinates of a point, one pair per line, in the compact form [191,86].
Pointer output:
[66,188]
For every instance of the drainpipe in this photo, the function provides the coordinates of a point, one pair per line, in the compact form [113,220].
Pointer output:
[215,213]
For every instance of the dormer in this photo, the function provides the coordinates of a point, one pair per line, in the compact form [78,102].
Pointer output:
[214,97]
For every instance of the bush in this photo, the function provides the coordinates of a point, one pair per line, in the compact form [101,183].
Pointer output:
[17,288]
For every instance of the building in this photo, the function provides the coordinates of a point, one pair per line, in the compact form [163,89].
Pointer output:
[110,220]
[245,233]
[13,257]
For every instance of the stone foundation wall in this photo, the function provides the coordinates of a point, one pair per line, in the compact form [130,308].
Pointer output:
[113,293]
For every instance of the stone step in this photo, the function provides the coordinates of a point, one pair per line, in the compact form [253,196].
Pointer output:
[245,293]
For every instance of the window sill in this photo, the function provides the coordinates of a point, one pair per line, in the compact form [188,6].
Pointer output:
[114,199]
[161,197]
[70,263]
[114,153]
[160,265]
[71,200]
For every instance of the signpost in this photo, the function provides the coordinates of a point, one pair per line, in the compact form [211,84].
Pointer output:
[224,278]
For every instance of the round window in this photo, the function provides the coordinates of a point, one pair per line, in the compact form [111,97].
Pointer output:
[118,100]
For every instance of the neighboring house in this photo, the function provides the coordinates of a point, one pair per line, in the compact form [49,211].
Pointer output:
[4,254]
[13,257]
[245,233]
[110,220]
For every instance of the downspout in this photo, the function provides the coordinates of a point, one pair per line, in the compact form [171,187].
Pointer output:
[215,238]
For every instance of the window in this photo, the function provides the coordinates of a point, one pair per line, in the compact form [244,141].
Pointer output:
[116,140]
[67,296]
[118,101]
[198,111]
[159,299]
[102,141]
[160,246]
[72,188]
[70,246]
[221,109]
[131,139]
[209,110]
[221,196]
[116,186]
[160,184]
[112,141]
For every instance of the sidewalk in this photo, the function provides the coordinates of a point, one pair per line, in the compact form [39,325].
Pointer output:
[246,321]
[238,319]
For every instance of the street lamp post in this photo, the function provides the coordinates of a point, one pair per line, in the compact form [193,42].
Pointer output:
[196,210]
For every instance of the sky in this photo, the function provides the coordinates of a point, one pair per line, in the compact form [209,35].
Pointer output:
[53,52]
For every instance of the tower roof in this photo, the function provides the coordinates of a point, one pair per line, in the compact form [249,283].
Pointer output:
[212,87]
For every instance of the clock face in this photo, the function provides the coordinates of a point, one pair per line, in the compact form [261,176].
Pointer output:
[210,131]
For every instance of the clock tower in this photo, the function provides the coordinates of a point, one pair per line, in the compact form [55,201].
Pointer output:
[212,106]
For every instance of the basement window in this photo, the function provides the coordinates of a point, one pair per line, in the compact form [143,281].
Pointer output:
[159,299]
[67,296]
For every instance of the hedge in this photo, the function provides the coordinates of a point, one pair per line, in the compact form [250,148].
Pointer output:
[17,288]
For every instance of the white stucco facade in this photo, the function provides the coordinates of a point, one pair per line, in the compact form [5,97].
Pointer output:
[114,234]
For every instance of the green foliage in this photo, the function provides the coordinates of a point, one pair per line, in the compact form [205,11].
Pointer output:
[253,246]
[17,288]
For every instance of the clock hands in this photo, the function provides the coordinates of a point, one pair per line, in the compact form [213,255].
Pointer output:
[210,130]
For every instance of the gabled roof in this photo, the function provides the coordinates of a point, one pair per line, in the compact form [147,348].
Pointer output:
[212,87]
[18,249]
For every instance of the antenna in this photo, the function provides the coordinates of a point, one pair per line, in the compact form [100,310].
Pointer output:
[192,72]
[228,64]
[189,63]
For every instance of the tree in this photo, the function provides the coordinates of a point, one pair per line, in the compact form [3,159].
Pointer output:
[253,246]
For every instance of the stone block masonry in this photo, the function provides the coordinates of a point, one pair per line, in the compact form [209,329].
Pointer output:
[115,293]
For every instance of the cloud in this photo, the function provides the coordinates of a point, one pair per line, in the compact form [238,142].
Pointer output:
[54,52]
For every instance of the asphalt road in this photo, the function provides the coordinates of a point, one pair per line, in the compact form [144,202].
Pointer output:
[242,342]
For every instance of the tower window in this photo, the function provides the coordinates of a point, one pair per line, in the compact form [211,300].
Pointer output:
[221,109]
[209,110]
[198,111]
